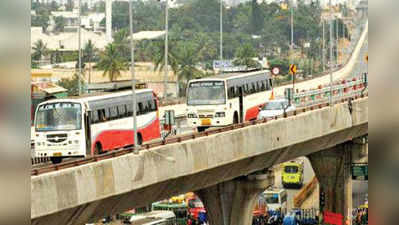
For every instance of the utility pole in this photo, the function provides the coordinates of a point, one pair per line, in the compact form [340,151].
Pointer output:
[80,47]
[331,54]
[134,108]
[165,93]
[324,48]
[337,39]
[221,29]
[292,43]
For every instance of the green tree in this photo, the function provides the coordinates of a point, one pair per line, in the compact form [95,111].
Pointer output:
[39,50]
[59,23]
[89,53]
[122,43]
[111,62]
[187,60]
[71,84]
[69,5]
[244,56]
[54,6]
[159,57]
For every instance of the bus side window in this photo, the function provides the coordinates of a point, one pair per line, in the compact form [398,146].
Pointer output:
[122,111]
[94,117]
[261,86]
[113,112]
[140,108]
[254,89]
[231,93]
[101,115]
[130,110]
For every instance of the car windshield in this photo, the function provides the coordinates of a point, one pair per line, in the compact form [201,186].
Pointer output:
[275,105]
[206,93]
[59,116]
[272,198]
[291,169]
[196,203]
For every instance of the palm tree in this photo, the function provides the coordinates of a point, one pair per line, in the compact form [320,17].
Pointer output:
[159,57]
[89,52]
[111,62]
[244,56]
[39,50]
[187,61]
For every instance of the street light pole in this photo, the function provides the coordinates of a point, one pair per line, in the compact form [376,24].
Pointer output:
[324,48]
[337,38]
[134,108]
[221,30]
[80,47]
[165,93]
[331,53]
[292,43]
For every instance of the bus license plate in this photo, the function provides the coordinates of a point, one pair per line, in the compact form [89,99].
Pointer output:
[206,122]
[57,154]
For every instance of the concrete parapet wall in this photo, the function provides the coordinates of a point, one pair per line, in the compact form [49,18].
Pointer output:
[76,195]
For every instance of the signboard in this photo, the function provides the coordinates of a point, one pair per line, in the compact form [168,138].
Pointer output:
[219,64]
[276,71]
[332,218]
[360,172]
[293,69]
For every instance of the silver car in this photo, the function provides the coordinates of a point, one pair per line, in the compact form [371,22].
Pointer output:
[275,108]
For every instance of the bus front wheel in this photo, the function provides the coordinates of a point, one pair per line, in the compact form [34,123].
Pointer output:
[56,160]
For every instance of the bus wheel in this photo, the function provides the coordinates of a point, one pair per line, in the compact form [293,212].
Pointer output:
[56,160]
[98,149]
[139,139]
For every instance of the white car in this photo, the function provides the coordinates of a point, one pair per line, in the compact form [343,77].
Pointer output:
[275,108]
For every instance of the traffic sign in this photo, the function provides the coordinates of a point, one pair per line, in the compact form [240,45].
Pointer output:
[276,71]
[293,69]
[360,172]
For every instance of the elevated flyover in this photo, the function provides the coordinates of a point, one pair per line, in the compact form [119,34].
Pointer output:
[81,193]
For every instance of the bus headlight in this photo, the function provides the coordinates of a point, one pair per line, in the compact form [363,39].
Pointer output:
[220,114]
[192,115]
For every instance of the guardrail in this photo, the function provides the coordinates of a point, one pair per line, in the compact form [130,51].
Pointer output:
[340,90]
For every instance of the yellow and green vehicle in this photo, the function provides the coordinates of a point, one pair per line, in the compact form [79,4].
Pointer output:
[292,174]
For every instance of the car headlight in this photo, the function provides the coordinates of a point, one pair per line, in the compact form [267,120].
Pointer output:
[191,115]
[220,114]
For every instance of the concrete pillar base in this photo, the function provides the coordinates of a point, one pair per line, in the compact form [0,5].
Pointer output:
[333,170]
[232,202]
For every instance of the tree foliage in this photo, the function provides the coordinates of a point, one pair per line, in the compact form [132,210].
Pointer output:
[111,62]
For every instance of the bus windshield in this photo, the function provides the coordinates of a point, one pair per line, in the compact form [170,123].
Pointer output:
[59,116]
[291,169]
[206,93]
[272,199]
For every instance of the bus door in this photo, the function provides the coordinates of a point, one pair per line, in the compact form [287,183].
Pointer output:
[87,126]
[241,103]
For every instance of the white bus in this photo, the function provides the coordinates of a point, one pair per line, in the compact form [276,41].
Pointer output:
[94,124]
[227,99]
[154,218]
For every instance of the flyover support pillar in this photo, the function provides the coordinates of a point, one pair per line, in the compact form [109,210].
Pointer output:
[333,171]
[232,202]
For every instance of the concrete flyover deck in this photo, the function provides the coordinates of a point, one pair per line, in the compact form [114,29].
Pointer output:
[80,194]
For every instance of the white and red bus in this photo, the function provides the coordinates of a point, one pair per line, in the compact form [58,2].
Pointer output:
[94,124]
[227,99]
